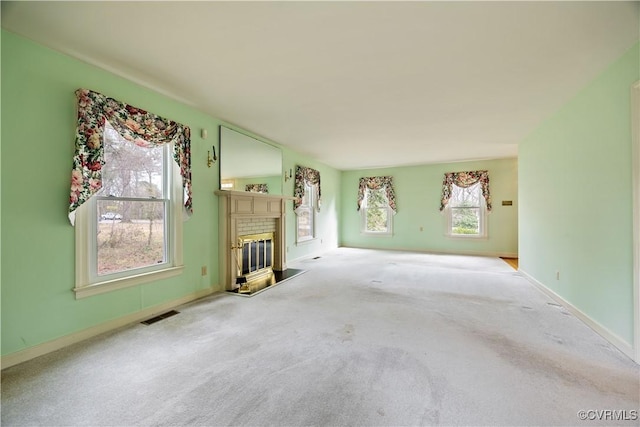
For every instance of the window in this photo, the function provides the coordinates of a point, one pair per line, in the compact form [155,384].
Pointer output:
[132,206]
[127,197]
[465,201]
[466,212]
[376,212]
[306,203]
[377,205]
[305,218]
[129,232]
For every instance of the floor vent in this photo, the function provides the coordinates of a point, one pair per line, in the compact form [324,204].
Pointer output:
[159,317]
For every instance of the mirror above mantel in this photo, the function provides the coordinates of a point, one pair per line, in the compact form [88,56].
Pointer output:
[248,164]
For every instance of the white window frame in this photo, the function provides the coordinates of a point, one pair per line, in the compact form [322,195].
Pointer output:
[482,225]
[363,217]
[310,191]
[87,281]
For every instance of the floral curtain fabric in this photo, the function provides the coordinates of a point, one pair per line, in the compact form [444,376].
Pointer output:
[375,183]
[257,188]
[136,125]
[464,180]
[310,176]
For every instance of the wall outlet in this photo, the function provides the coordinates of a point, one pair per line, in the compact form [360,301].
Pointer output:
[421,228]
[557,275]
[204,270]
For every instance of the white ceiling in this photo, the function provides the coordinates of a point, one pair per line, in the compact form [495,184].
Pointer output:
[352,84]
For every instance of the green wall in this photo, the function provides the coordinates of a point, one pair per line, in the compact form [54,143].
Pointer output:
[418,190]
[576,200]
[38,243]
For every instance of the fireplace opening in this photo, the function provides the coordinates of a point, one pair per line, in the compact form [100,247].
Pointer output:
[255,264]
[257,255]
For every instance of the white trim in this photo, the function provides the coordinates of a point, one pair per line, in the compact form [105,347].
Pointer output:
[307,257]
[125,282]
[312,207]
[605,333]
[308,241]
[67,340]
[363,219]
[85,285]
[635,140]
[483,223]
[436,252]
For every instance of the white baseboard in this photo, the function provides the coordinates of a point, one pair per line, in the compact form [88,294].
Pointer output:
[605,333]
[429,251]
[58,343]
[311,255]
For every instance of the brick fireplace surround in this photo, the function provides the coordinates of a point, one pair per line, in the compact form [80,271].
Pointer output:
[243,213]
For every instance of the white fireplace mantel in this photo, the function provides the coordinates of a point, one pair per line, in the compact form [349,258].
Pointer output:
[234,206]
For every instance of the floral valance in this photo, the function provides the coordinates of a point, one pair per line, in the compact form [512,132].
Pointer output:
[464,180]
[257,188]
[311,177]
[376,183]
[133,124]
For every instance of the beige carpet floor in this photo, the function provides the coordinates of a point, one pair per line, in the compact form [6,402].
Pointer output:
[363,338]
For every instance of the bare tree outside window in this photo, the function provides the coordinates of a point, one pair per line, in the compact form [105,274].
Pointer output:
[465,205]
[131,206]
[377,213]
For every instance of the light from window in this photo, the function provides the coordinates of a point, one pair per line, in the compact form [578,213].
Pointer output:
[132,207]
[305,217]
[376,213]
[466,211]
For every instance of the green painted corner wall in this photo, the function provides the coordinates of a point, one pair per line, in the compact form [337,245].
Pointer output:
[576,200]
[418,190]
[38,243]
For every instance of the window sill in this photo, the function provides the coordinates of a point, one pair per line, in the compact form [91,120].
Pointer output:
[125,282]
[374,234]
[467,236]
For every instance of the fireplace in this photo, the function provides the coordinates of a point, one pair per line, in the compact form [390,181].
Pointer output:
[245,218]
[252,242]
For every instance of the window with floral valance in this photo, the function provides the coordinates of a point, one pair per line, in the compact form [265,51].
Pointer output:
[377,205]
[377,183]
[306,203]
[133,124]
[310,177]
[465,202]
[465,180]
